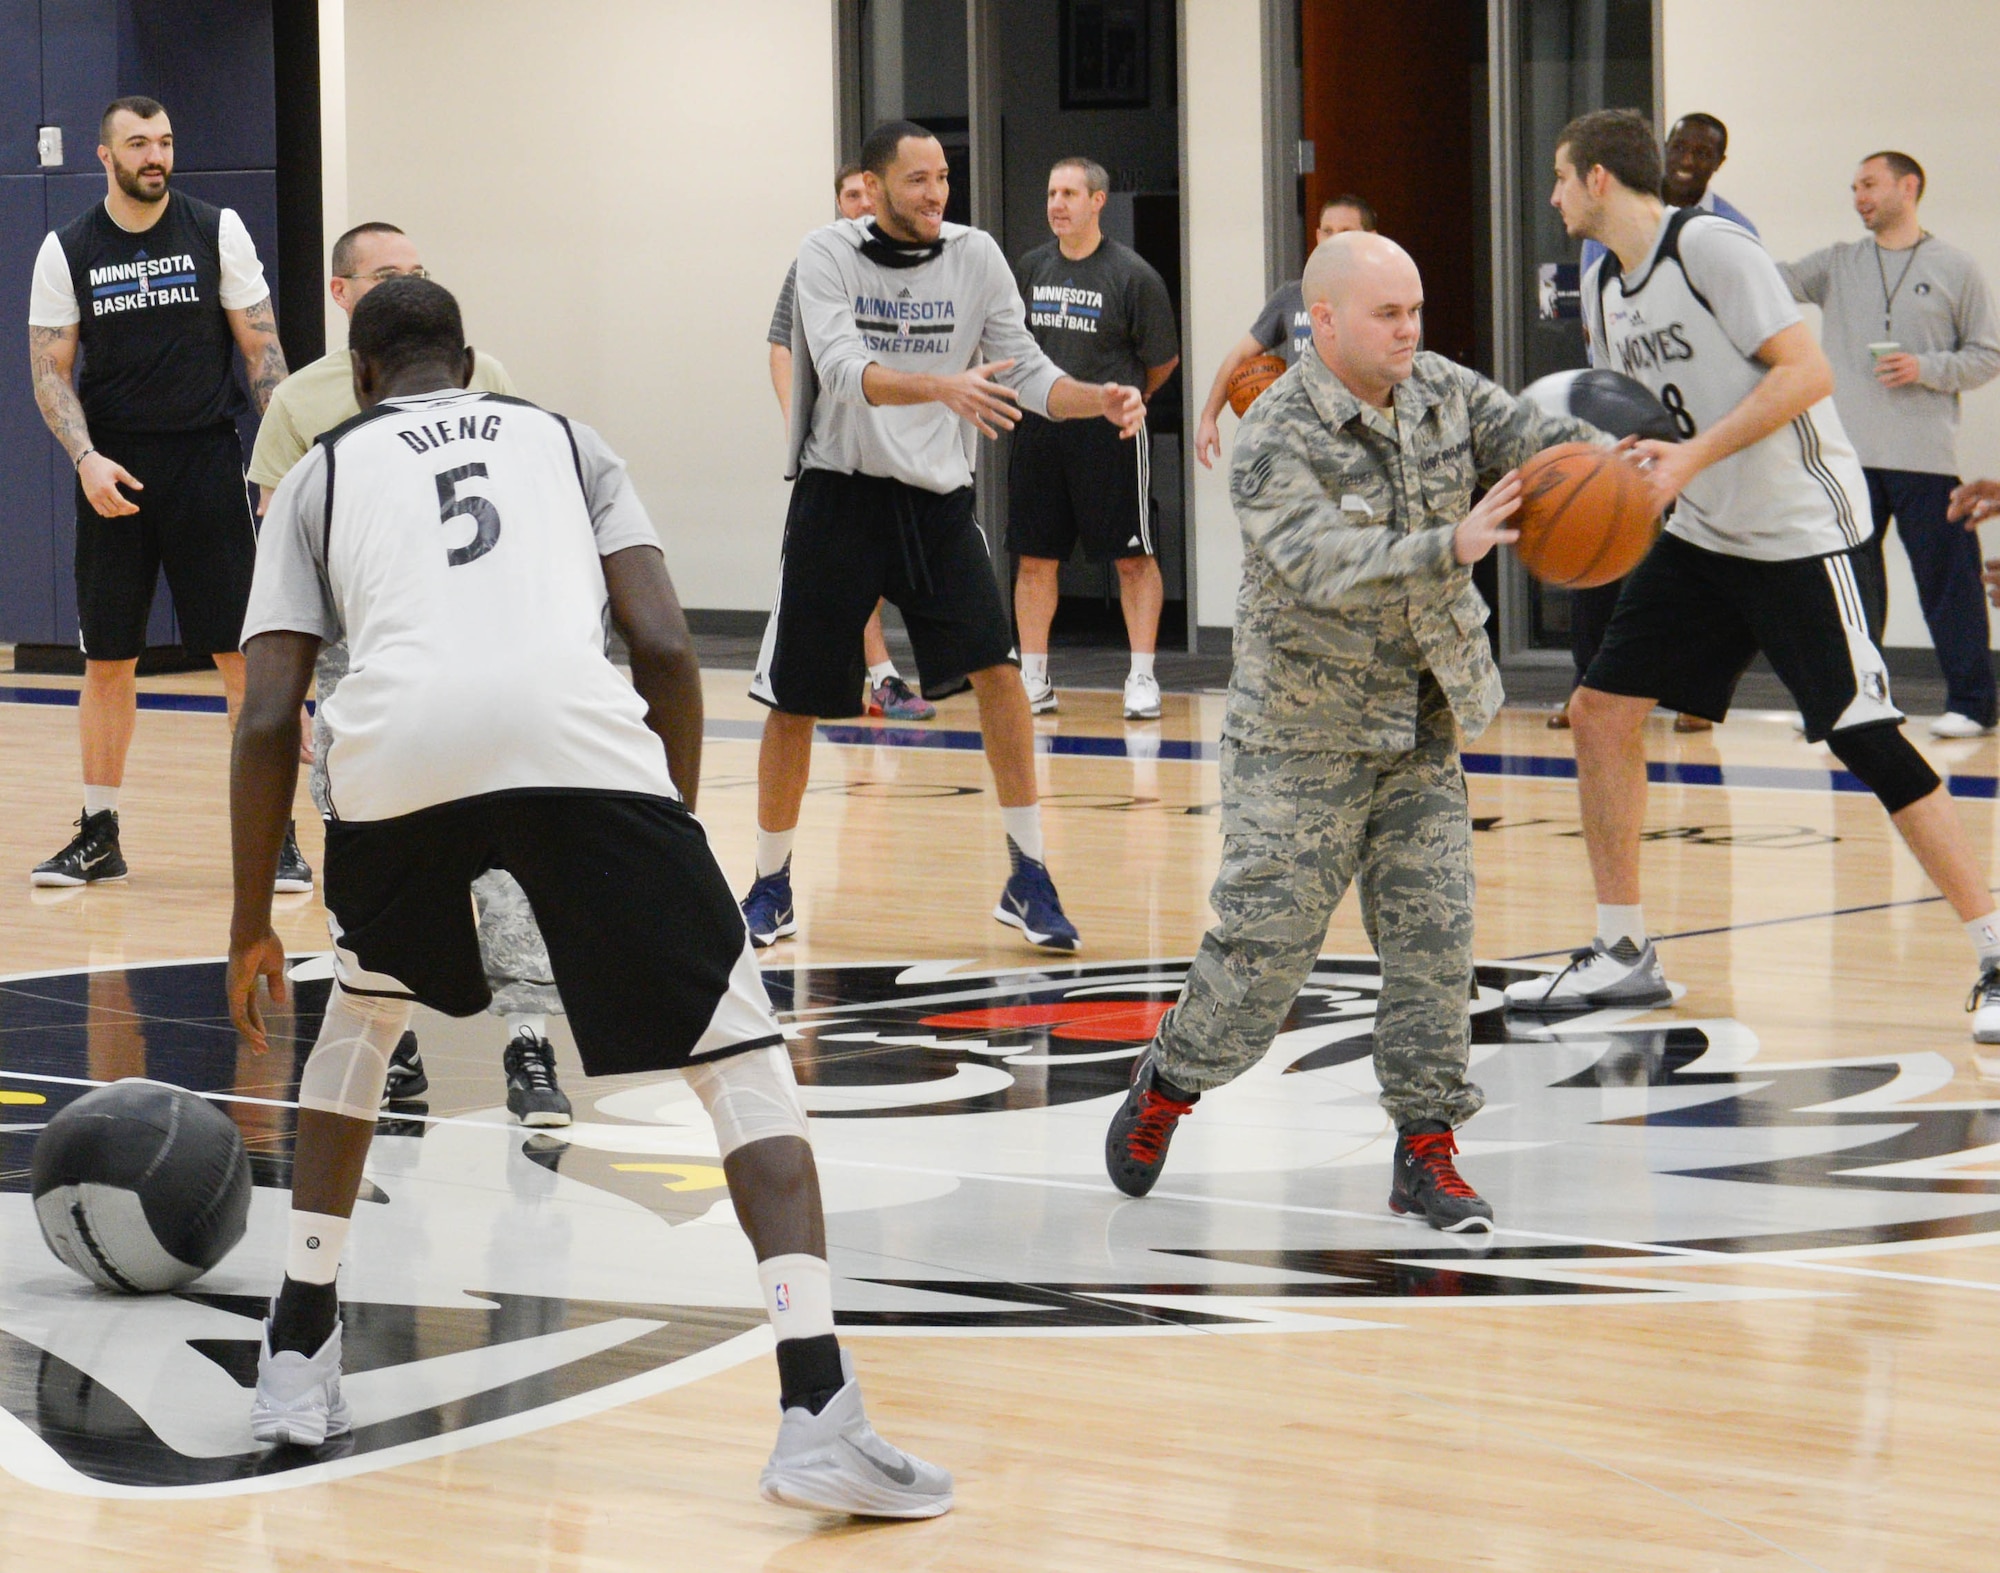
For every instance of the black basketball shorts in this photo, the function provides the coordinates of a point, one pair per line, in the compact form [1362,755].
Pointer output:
[194,520]
[1691,620]
[645,940]
[851,540]
[1072,480]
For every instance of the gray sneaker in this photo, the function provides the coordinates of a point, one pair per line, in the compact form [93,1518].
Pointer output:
[298,1399]
[833,1462]
[1603,977]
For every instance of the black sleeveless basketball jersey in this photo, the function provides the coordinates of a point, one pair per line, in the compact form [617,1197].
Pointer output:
[157,352]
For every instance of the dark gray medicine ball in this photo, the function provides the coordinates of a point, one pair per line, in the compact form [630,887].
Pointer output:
[141,1186]
[1609,400]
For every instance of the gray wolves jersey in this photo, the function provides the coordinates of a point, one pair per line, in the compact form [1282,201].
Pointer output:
[456,539]
[1688,325]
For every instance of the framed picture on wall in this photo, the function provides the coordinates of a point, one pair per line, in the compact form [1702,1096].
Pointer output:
[1107,57]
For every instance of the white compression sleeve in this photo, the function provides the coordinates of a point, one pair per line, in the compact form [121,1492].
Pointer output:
[751,1097]
[349,1064]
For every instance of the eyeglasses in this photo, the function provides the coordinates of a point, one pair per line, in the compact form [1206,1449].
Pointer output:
[383,275]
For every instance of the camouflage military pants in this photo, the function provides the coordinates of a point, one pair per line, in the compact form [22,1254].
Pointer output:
[510,943]
[1297,828]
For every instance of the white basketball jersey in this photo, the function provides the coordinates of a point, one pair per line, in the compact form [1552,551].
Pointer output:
[1687,325]
[462,559]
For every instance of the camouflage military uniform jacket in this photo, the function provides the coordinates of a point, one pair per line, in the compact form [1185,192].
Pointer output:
[1350,589]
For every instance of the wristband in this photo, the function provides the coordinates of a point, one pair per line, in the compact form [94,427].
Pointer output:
[81,457]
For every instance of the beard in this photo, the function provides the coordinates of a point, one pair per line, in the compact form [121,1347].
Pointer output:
[129,182]
[906,220]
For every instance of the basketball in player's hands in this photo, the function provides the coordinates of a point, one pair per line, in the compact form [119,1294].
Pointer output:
[1586,517]
[1252,378]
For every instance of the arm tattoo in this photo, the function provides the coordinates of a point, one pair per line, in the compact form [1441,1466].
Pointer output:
[263,358]
[54,395]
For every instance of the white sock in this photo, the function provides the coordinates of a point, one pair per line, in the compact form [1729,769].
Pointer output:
[317,1239]
[798,1295]
[1985,936]
[878,675]
[1025,826]
[97,799]
[1616,923]
[1142,665]
[774,848]
[1035,668]
[518,1024]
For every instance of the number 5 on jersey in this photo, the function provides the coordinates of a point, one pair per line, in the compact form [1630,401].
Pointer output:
[484,515]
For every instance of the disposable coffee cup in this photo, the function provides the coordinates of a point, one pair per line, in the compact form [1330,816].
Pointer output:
[1886,347]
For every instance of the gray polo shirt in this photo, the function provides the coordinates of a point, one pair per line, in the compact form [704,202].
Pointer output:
[1938,310]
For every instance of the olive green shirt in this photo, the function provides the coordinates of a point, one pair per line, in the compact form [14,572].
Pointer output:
[317,398]
[1350,590]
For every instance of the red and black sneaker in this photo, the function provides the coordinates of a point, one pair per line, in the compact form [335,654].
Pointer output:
[1427,1182]
[1135,1148]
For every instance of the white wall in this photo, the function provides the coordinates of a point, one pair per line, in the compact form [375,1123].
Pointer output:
[1808,86]
[1221,93]
[613,191]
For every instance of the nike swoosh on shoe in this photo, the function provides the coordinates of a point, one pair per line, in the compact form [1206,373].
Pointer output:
[902,1474]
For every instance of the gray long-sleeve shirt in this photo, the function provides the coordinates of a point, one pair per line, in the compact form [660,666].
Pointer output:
[959,309]
[1941,313]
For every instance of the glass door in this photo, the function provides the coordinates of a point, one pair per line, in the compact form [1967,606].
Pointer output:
[1552,60]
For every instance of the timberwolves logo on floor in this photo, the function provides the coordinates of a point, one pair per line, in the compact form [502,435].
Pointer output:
[500,1280]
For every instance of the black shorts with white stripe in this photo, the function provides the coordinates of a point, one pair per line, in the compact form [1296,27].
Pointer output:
[1072,480]
[1690,621]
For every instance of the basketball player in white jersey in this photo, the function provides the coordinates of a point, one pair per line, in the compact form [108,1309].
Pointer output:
[1760,554]
[466,739]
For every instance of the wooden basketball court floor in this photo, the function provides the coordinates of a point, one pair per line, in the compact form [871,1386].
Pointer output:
[1740,1312]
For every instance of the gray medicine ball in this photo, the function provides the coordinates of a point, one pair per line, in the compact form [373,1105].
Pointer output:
[1609,400]
[141,1186]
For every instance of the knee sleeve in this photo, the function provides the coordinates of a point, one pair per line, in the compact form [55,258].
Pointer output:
[347,1068]
[1882,759]
[751,1097]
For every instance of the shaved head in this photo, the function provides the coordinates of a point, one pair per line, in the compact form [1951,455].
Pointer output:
[1339,261]
[1366,300]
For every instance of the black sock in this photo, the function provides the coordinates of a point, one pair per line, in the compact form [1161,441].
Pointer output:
[809,1372]
[304,1317]
[1422,1128]
[1167,1089]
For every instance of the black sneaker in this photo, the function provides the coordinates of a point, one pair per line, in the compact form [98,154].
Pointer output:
[1427,1182]
[533,1097]
[295,874]
[92,856]
[406,1079]
[1135,1148]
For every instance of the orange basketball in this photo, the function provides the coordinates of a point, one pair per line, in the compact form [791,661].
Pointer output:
[1585,518]
[1252,378]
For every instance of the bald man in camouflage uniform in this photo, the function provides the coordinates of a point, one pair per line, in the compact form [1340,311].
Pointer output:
[1361,661]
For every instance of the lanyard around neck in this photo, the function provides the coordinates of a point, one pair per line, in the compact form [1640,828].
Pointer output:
[1888,293]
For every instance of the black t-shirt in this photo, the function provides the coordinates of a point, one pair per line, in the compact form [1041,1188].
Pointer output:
[158,355]
[1106,318]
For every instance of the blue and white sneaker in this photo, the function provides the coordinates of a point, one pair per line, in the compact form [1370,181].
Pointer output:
[298,1399]
[1030,904]
[768,908]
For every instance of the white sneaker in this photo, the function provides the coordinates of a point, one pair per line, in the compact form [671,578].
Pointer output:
[1041,694]
[1620,976]
[298,1399]
[1952,724]
[833,1462]
[1984,1006]
[1142,697]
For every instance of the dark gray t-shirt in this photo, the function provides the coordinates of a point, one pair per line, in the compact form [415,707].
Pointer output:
[781,316]
[1283,327]
[1105,318]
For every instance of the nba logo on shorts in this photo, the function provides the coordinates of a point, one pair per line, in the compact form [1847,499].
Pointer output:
[784,1297]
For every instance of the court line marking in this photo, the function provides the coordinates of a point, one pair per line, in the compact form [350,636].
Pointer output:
[1143,746]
